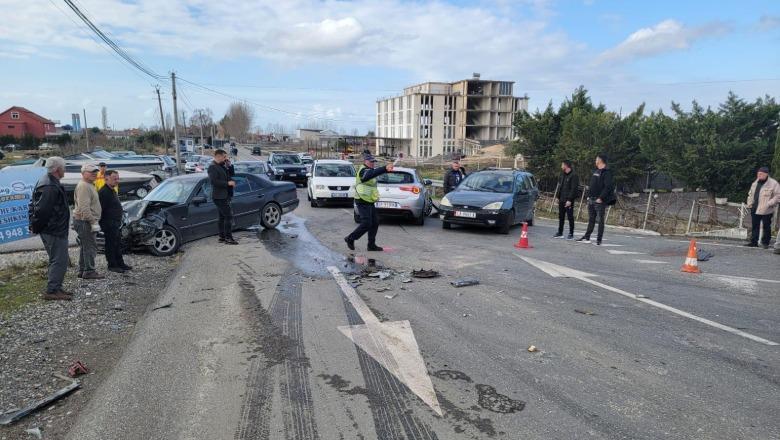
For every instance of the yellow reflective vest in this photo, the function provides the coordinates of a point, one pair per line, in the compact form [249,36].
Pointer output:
[366,191]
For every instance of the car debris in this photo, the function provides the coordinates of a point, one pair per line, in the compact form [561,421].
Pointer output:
[406,280]
[14,415]
[532,349]
[463,282]
[390,296]
[164,306]
[77,368]
[424,273]
[195,301]
[702,255]
[382,274]
[585,312]
[34,431]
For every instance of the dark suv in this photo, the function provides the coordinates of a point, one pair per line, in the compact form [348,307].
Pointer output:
[257,151]
[494,197]
[287,166]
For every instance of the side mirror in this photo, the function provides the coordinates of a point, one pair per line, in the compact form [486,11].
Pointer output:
[427,182]
[198,200]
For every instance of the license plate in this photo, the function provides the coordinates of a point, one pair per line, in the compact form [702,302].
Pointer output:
[386,205]
[465,214]
[339,195]
[292,174]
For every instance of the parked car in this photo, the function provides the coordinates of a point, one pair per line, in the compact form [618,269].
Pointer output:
[48,147]
[257,151]
[169,165]
[307,161]
[331,181]
[287,166]
[251,167]
[124,153]
[192,164]
[403,193]
[180,210]
[12,147]
[493,198]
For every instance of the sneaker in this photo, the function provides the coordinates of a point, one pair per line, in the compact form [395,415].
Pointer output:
[558,235]
[750,245]
[598,242]
[57,296]
[570,237]
[92,275]
[375,248]
[116,269]
[350,243]
[583,240]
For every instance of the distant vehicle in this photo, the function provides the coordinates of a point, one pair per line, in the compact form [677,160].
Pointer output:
[331,181]
[123,153]
[184,156]
[192,164]
[287,166]
[47,147]
[169,165]
[140,164]
[307,161]
[180,210]
[251,167]
[403,193]
[12,147]
[257,151]
[493,198]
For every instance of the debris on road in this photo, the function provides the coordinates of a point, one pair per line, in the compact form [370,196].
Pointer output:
[390,296]
[34,431]
[424,273]
[703,255]
[585,312]
[12,416]
[466,315]
[77,368]
[383,274]
[463,282]
[164,306]
[533,349]
[195,301]
[406,280]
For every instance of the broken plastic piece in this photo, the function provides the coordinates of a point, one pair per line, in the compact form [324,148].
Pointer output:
[463,282]
[533,349]
[584,312]
[423,273]
[77,369]
[34,431]
[14,415]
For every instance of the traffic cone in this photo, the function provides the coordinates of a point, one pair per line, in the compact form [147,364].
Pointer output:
[691,264]
[523,242]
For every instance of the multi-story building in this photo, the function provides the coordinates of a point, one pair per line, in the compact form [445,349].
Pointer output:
[18,122]
[436,118]
[76,122]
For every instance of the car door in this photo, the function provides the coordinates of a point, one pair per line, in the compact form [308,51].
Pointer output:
[245,201]
[522,198]
[201,218]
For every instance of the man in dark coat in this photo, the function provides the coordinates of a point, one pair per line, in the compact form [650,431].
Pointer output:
[221,190]
[111,222]
[366,194]
[453,177]
[50,217]
[567,194]
[601,193]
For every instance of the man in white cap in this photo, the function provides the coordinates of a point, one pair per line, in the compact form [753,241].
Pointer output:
[86,215]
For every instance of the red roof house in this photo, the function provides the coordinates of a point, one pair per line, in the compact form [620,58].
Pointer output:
[18,121]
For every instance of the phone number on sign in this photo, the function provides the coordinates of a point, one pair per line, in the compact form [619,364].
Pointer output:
[13,233]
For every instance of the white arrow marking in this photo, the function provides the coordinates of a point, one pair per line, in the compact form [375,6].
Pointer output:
[557,271]
[392,344]
[650,261]
[613,252]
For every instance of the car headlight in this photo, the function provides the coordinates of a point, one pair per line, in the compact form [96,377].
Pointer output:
[445,202]
[278,171]
[493,206]
[319,186]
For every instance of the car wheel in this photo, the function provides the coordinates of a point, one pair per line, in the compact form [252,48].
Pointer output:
[446,225]
[510,220]
[428,208]
[530,221]
[271,216]
[315,203]
[420,221]
[165,242]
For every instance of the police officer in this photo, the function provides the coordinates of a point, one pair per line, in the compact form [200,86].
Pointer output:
[366,194]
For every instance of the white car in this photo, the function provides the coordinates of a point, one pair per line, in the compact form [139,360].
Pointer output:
[331,181]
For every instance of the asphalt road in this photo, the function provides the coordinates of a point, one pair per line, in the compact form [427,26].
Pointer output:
[262,342]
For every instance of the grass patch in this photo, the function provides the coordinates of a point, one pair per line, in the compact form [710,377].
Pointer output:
[21,285]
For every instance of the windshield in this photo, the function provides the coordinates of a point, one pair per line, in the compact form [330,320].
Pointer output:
[102,154]
[395,178]
[307,161]
[172,191]
[250,167]
[194,158]
[287,159]
[334,170]
[489,182]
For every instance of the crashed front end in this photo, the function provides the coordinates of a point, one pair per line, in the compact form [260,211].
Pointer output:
[141,221]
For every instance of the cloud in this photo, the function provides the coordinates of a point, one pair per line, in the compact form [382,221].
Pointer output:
[666,36]
[768,22]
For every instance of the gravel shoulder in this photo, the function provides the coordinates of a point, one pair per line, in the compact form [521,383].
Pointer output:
[41,338]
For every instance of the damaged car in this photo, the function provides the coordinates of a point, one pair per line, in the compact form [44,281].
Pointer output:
[181,209]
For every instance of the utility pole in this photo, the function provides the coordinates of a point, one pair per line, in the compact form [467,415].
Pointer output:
[200,116]
[176,124]
[86,127]
[162,119]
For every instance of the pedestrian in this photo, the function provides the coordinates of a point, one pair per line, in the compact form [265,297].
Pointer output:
[453,176]
[86,218]
[567,193]
[100,180]
[366,194]
[221,190]
[231,171]
[763,197]
[601,193]
[50,217]
[111,223]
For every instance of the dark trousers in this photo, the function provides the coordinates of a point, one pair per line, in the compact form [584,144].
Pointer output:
[113,241]
[369,222]
[57,249]
[757,221]
[563,213]
[595,214]
[225,221]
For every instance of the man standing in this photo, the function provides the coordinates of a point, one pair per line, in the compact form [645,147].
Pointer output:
[366,194]
[100,180]
[762,199]
[221,189]
[568,185]
[50,217]
[453,177]
[111,223]
[601,193]
[86,216]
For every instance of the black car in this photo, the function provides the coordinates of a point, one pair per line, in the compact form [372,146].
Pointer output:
[180,209]
[257,151]
[494,198]
[287,166]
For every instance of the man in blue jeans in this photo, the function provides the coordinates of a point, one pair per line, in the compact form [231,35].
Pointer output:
[221,190]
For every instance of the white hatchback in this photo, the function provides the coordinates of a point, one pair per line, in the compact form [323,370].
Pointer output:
[331,181]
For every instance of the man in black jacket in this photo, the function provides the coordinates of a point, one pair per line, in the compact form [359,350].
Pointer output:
[601,193]
[221,189]
[50,217]
[567,184]
[453,177]
[111,222]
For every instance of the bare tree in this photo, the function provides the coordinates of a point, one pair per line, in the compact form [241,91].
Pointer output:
[238,120]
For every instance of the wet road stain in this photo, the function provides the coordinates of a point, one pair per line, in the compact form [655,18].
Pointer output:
[466,422]
[491,400]
[452,375]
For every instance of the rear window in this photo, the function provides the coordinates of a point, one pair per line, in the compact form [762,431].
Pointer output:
[334,170]
[396,177]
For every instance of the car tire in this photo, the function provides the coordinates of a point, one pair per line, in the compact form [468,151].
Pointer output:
[504,229]
[167,242]
[271,215]
[315,203]
[420,221]
[530,221]
[428,208]
[446,225]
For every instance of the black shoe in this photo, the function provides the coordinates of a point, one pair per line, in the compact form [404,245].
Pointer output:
[116,269]
[126,267]
[375,248]
[231,240]
[598,242]
[558,235]
[221,240]
[765,246]
[570,237]
[350,243]
[776,251]
[750,245]
[583,240]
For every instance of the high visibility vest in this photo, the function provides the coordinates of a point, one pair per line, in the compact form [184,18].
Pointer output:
[100,182]
[366,191]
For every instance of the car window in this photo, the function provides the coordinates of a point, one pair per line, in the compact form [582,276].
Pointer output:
[520,183]
[242,185]
[250,167]
[286,159]
[396,177]
[172,191]
[334,170]
[488,182]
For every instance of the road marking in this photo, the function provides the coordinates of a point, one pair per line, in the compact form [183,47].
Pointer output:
[346,210]
[392,344]
[557,271]
[611,245]
[760,280]
[614,252]
[650,261]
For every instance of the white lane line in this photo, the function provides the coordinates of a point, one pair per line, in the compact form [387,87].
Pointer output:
[614,252]
[557,271]
[650,262]
[760,280]
[392,344]
[611,245]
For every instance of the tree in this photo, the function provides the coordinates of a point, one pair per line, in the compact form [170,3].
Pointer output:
[238,120]
[63,139]
[776,161]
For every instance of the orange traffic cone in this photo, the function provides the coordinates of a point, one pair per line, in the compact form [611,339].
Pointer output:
[523,242]
[691,264]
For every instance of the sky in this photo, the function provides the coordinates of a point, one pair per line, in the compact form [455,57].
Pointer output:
[304,62]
